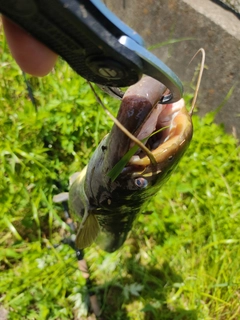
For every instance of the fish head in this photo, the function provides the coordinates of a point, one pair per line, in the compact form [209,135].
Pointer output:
[167,146]
[141,114]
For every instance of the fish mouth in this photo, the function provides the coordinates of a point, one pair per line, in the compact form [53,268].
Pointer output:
[173,125]
[142,114]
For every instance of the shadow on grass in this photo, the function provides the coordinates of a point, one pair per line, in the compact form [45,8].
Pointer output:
[157,283]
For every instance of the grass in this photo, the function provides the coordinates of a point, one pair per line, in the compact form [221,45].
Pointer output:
[180,262]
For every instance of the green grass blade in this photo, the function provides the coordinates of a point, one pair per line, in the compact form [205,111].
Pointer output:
[117,169]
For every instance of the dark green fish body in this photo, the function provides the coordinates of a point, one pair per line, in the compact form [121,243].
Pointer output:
[109,208]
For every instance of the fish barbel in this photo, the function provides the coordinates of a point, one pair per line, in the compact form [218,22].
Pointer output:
[109,208]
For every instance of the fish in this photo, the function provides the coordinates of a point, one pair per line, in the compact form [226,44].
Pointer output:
[107,208]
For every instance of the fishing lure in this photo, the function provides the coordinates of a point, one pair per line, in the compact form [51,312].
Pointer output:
[108,207]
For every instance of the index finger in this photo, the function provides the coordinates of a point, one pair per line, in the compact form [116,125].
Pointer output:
[31,55]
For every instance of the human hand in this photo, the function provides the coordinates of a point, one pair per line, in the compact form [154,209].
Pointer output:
[32,56]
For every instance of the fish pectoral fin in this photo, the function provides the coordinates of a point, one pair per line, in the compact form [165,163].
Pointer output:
[73,177]
[78,175]
[61,197]
[87,232]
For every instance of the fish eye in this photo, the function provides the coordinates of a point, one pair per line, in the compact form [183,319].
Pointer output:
[141,182]
[170,158]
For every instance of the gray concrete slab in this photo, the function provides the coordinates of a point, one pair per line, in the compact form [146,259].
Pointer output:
[193,24]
